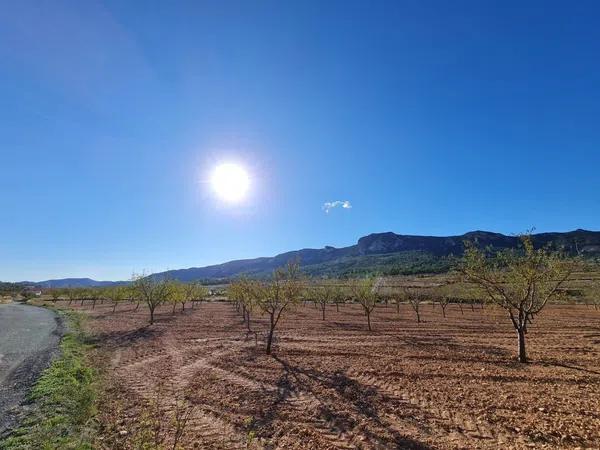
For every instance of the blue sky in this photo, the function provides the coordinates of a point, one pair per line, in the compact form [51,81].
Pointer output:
[428,117]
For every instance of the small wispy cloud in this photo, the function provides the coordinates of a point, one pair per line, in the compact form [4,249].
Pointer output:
[328,206]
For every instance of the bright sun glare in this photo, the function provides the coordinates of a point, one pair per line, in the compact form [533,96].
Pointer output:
[230,182]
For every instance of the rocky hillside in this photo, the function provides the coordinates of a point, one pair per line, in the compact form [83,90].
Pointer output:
[389,253]
[381,250]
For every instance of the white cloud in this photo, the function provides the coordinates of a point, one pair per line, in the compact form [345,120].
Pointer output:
[328,206]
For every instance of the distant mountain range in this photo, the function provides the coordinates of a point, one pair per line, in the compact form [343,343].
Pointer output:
[387,253]
[72,282]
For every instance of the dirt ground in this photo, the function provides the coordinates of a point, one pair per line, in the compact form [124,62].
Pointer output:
[447,383]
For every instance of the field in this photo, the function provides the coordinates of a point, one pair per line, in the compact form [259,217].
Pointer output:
[446,383]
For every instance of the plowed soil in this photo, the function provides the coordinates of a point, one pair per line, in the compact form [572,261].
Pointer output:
[447,383]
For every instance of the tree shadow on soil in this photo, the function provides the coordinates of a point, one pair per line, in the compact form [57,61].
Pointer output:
[361,397]
[554,363]
[118,338]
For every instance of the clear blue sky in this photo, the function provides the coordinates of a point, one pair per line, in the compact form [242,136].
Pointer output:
[428,117]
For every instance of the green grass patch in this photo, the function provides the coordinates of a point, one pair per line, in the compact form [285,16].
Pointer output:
[64,399]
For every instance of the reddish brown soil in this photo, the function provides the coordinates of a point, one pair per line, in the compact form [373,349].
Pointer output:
[446,383]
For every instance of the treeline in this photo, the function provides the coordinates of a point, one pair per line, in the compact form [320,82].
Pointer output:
[7,289]
[152,292]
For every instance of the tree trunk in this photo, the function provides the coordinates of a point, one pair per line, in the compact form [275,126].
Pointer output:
[522,351]
[174,305]
[337,306]
[114,306]
[369,320]
[151,314]
[398,308]
[137,306]
[270,337]
[248,320]
[323,311]
[444,311]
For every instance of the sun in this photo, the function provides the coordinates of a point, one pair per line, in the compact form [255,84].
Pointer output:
[230,182]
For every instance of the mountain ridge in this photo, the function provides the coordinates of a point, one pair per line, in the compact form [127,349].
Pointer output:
[387,243]
[383,251]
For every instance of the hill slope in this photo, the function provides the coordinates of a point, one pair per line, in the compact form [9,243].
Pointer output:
[387,252]
[71,282]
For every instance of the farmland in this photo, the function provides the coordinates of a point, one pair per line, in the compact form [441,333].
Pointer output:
[447,382]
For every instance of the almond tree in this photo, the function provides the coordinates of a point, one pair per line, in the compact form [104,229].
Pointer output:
[324,293]
[521,281]
[152,290]
[116,294]
[55,294]
[178,295]
[364,292]
[340,295]
[415,297]
[196,292]
[397,299]
[442,296]
[279,294]
[95,294]
[444,301]
[72,294]
[242,294]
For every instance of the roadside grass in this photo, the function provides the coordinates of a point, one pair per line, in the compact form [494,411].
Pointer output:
[64,399]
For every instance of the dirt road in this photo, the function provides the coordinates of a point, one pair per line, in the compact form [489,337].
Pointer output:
[29,337]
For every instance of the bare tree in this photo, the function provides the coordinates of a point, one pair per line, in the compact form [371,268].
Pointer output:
[415,297]
[339,295]
[274,297]
[324,293]
[397,298]
[441,295]
[520,281]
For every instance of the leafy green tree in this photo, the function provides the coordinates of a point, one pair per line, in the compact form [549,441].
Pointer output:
[522,281]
